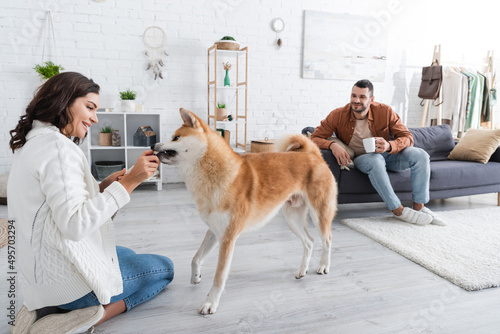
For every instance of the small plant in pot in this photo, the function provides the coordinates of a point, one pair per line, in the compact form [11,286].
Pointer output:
[105,136]
[47,70]
[221,113]
[227,43]
[128,100]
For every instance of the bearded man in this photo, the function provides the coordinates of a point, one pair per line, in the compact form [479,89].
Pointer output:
[363,118]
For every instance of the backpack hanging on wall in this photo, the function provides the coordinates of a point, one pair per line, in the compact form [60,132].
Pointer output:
[432,78]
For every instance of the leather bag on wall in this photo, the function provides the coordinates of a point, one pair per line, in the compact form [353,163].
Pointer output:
[432,77]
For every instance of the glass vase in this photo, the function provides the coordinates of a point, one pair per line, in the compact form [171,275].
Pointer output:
[116,139]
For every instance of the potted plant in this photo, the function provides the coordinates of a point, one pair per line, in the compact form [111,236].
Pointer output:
[128,103]
[227,43]
[221,113]
[47,70]
[105,136]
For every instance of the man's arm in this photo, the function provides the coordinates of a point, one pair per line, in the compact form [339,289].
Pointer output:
[402,136]
[325,130]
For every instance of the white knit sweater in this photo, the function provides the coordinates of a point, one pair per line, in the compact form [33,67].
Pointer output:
[64,233]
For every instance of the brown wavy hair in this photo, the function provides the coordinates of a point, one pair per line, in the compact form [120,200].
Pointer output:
[51,105]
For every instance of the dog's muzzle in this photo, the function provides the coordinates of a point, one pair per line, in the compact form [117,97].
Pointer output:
[166,155]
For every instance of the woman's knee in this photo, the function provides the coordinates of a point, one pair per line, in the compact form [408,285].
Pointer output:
[162,264]
[124,251]
[148,266]
[168,267]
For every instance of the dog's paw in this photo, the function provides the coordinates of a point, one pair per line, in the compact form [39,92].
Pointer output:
[208,308]
[195,279]
[323,270]
[300,273]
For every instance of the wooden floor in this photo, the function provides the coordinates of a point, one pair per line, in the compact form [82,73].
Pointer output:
[370,289]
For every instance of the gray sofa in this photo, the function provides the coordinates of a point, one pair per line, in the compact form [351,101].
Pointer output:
[449,178]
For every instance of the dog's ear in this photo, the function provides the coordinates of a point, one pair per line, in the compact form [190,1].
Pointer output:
[190,120]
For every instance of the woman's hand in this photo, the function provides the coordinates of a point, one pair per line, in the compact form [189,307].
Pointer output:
[145,166]
[116,176]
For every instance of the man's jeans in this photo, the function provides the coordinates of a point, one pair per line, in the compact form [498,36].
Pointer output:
[377,164]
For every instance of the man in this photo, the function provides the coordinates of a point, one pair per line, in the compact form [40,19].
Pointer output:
[364,118]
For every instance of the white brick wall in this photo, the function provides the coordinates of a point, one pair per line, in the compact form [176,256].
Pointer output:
[104,41]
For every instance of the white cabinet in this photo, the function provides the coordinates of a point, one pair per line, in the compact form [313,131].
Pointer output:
[127,124]
[234,96]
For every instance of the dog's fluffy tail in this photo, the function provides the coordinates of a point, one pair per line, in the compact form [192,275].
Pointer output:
[297,143]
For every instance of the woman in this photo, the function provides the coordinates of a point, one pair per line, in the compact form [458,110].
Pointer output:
[72,274]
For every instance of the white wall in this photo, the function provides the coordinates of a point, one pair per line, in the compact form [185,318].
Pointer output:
[103,40]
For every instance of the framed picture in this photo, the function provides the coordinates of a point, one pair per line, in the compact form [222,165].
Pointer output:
[343,47]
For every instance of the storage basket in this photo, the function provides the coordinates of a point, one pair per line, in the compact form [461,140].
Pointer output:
[259,146]
[227,45]
[106,168]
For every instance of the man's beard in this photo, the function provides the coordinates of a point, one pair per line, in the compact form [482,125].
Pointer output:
[360,111]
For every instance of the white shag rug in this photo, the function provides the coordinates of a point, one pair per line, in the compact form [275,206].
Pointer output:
[466,251]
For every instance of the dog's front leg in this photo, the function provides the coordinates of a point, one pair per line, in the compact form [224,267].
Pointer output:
[208,244]
[223,265]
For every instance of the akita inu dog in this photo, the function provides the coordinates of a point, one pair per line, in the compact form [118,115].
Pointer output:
[235,193]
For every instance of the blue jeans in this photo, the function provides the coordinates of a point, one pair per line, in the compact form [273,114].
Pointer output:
[143,275]
[377,164]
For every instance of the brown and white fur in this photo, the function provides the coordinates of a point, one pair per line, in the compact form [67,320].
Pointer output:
[235,193]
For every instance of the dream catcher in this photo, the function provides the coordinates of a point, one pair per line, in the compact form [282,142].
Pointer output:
[155,40]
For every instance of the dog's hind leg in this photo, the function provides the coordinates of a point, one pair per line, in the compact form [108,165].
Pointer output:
[322,217]
[225,257]
[206,247]
[297,221]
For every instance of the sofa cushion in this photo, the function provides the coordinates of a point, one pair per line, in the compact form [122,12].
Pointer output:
[463,174]
[445,175]
[356,182]
[477,145]
[436,140]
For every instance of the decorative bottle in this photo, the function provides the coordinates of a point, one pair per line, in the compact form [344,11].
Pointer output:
[226,79]
[116,139]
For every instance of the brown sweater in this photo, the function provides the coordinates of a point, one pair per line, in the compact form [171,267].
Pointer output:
[383,122]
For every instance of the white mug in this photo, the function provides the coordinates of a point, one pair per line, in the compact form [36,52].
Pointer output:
[369,144]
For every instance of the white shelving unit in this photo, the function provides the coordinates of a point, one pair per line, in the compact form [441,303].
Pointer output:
[239,86]
[127,124]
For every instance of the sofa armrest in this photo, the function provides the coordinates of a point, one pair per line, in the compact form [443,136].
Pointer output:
[496,155]
[332,163]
